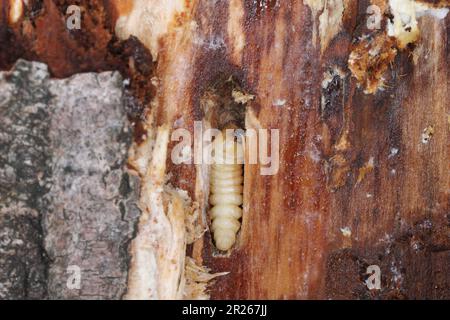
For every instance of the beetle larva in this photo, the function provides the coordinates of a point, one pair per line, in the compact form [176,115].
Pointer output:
[226,192]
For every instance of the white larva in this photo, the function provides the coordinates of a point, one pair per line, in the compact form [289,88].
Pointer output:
[226,192]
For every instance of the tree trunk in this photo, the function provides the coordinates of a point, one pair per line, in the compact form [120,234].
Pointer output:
[363,119]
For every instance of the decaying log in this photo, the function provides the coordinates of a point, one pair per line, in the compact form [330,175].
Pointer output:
[363,117]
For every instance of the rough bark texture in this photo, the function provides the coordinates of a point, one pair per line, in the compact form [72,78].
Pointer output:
[364,178]
[66,197]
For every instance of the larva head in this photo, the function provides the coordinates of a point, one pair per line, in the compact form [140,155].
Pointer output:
[224,104]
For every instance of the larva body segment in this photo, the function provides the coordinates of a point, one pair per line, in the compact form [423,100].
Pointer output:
[226,192]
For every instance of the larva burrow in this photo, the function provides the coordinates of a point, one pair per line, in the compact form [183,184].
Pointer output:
[226,198]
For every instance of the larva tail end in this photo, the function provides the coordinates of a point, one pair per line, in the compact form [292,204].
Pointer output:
[225,242]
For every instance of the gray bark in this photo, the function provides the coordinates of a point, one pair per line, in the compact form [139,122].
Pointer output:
[67,203]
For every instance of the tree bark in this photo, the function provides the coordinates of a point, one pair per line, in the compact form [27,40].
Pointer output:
[68,206]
